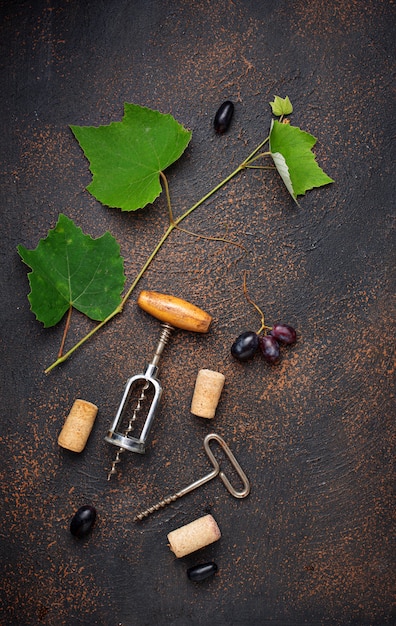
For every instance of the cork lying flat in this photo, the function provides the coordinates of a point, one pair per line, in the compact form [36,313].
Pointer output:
[191,537]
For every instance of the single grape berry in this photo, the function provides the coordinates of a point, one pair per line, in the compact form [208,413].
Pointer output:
[83,520]
[270,349]
[223,117]
[202,571]
[245,346]
[284,333]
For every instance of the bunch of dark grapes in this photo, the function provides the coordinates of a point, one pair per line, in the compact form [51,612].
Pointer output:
[248,343]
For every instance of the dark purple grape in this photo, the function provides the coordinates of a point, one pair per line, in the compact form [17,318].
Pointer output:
[83,521]
[223,117]
[245,346]
[270,349]
[284,333]
[200,572]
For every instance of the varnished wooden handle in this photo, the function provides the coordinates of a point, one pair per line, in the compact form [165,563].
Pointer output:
[175,311]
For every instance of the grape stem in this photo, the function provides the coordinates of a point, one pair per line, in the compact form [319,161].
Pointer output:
[259,311]
[66,329]
[184,230]
[173,224]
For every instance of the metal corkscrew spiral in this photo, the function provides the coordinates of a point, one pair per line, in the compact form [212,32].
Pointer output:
[125,441]
[127,431]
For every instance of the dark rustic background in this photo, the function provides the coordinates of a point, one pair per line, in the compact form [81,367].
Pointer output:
[312,544]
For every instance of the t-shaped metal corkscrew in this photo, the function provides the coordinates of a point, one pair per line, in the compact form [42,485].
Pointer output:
[173,313]
[217,471]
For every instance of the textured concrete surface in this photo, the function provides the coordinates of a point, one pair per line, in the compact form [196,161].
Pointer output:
[312,544]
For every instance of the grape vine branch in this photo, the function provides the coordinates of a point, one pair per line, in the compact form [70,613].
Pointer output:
[173,223]
[128,161]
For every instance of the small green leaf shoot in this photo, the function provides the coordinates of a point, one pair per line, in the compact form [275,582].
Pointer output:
[281,106]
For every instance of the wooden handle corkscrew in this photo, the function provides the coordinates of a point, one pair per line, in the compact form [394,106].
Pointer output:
[173,313]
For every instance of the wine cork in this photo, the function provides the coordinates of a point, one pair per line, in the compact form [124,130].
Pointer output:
[78,425]
[208,388]
[191,537]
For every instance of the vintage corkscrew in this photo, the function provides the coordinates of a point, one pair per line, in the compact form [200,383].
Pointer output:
[217,471]
[173,313]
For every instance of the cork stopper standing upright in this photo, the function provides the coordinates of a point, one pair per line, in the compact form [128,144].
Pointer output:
[78,425]
[207,392]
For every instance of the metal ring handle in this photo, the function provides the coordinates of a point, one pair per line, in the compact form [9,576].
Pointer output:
[237,494]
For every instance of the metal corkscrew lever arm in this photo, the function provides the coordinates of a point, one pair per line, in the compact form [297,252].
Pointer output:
[173,313]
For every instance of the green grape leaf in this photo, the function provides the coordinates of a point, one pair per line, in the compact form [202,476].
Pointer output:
[281,106]
[291,151]
[73,269]
[126,157]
